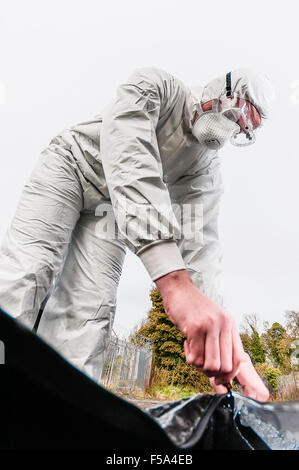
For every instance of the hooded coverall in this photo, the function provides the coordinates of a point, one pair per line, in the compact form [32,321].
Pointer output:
[139,154]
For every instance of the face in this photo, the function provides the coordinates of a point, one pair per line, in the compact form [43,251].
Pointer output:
[252,114]
[254,117]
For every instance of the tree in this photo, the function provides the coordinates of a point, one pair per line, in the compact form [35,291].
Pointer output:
[256,348]
[278,344]
[246,341]
[251,323]
[251,339]
[292,324]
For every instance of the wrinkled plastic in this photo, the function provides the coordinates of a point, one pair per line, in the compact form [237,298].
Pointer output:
[48,404]
[229,421]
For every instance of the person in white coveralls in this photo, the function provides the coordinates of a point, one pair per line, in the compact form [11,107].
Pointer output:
[145,174]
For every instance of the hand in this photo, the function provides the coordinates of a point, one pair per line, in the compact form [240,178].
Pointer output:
[247,377]
[207,327]
[212,343]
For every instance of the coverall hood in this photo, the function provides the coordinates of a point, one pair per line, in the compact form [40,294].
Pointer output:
[249,84]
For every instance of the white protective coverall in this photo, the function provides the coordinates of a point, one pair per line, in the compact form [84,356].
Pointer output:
[140,155]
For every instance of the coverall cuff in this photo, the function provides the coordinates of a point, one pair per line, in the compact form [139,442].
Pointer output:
[162,258]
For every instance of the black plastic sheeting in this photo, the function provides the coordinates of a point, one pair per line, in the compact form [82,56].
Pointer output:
[229,422]
[47,404]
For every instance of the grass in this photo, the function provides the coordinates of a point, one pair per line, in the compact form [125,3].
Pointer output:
[156,392]
[169,392]
[286,394]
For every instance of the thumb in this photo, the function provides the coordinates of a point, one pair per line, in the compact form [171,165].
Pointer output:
[219,388]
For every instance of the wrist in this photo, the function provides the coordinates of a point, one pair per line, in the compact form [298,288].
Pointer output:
[172,282]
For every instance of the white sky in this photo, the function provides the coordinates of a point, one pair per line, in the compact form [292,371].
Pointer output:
[60,62]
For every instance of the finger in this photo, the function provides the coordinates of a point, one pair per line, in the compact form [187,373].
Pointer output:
[212,362]
[239,356]
[226,352]
[226,357]
[218,388]
[223,379]
[233,353]
[252,383]
[221,389]
[250,393]
[263,395]
[196,350]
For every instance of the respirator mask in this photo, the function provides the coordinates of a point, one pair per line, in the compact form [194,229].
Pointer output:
[231,118]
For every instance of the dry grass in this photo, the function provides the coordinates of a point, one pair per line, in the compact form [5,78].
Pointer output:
[286,394]
[288,388]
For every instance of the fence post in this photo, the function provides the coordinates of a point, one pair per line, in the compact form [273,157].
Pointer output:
[112,363]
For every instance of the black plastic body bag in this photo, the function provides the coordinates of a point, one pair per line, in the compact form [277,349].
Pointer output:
[47,404]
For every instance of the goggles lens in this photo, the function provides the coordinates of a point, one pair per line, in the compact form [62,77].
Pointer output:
[240,111]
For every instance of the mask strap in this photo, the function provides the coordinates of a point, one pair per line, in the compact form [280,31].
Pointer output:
[229,84]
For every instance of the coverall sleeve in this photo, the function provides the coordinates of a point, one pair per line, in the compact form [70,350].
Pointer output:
[134,173]
[198,193]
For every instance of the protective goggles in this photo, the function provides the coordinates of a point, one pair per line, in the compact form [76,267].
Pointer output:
[242,112]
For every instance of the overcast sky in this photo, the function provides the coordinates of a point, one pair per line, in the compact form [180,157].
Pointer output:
[61,61]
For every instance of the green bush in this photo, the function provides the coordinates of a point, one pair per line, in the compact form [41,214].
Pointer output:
[272,374]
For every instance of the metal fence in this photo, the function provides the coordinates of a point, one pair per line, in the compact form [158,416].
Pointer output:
[127,366]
